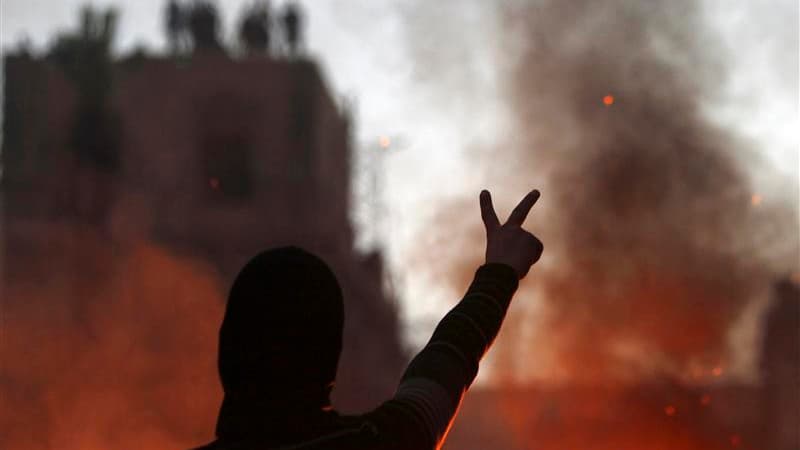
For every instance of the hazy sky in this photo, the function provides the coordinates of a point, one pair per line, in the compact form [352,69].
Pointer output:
[374,52]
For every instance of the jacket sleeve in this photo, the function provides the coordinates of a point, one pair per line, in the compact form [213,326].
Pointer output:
[431,389]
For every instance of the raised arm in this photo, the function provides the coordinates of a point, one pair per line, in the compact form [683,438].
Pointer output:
[435,381]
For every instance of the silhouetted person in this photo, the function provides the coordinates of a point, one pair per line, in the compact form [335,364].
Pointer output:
[254,31]
[281,336]
[176,26]
[203,21]
[292,27]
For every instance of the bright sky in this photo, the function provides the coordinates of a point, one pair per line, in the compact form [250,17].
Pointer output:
[373,52]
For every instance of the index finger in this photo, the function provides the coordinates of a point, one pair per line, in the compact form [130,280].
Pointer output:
[521,211]
[488,215]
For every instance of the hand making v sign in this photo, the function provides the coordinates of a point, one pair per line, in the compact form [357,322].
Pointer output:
[509,243]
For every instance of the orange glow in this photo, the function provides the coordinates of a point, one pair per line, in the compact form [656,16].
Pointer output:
[590,418]
[717,371]
[384,142]
[705,400]
[697,372]
[214,183]
[141,324]
[756,200]
[608,100]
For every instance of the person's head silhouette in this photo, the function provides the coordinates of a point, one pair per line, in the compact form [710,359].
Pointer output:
[280,340]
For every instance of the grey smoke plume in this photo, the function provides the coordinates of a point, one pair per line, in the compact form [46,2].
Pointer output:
[654,237]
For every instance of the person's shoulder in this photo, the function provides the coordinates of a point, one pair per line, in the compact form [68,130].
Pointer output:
[351,433]
[220,445]
[211,446]
[229,445]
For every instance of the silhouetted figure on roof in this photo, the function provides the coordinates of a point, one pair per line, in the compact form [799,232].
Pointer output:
[176,22]
[85,58]
[292,27]
[254,31]
[281,337]
[203,21]
[85,55]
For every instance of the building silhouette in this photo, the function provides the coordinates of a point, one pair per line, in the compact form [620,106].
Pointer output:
[780,365]
[214,158]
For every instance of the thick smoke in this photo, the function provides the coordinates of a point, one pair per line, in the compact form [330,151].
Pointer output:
[654,237]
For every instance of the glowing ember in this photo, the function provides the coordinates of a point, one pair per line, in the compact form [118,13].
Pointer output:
[717,371]
[705,400]
[214,183]
[384,141]
[755,200]
[608,100]
[670,410]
